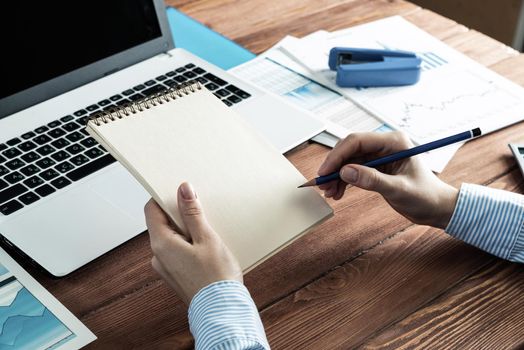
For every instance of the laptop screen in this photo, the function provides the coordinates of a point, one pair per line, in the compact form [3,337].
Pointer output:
[44,40]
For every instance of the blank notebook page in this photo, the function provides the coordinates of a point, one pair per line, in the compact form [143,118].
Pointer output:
[248,190]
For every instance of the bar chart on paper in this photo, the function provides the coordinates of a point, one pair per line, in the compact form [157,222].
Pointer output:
[25,322]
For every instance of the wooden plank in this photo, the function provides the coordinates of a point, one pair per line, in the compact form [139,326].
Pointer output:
[259,25]
[389,282]
[439,26]
[484,312]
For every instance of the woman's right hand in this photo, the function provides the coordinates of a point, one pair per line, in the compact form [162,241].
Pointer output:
[407,185]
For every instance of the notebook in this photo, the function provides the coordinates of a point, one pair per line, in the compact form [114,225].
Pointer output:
[248,190]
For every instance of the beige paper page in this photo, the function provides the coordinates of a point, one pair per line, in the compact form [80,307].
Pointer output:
[247,188]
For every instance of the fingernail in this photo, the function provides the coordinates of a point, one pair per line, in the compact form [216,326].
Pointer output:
[187,191]
[349,174]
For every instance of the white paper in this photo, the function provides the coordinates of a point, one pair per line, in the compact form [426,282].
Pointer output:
[274,71]
[278,73]
[31,318]
[454,93]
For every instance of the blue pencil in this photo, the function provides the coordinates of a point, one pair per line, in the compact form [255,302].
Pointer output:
[400,155]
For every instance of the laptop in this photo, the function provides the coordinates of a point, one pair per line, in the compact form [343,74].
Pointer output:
[64,200]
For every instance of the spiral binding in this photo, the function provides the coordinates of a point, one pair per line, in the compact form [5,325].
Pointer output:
[168,95]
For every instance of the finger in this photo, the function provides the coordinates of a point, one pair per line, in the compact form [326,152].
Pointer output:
[359,144]
[370,179]
[192,213]
[341,189]
[159,228]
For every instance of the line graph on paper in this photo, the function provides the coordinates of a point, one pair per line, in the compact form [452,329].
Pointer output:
[449,102]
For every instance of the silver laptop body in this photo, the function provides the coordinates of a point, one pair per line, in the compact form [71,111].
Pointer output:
[63,200]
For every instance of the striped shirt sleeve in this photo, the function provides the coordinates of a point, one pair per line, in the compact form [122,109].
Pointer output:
[223,316]
[490,219]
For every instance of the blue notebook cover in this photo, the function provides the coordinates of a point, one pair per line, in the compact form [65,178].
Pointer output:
[204,42]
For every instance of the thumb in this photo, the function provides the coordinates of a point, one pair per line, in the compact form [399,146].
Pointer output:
[369,179]
[192,213]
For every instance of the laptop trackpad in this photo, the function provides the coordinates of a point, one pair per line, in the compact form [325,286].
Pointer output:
[61,238]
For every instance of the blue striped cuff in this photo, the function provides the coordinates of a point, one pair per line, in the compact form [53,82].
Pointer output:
[490,219]
[222,315]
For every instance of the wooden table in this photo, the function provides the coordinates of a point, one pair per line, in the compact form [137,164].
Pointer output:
[366,278]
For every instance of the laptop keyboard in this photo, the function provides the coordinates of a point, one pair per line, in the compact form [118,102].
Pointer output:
[55,155]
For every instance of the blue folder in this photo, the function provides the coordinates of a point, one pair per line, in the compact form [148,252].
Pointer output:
[204,42]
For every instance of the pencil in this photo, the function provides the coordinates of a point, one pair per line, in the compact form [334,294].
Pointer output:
[400,155]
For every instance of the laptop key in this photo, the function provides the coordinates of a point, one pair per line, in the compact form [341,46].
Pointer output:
[41,139]
[41,129]
[71,126]
[93,153]
[56,133]
[211,86]
[60,156]
[14,177]
[180,79]
[139,87]
[199,70]
[48,174]
[74,136]
[12,192]
[180,70]
[45,163]
[189,75]
[92,108]
[223,92]
[88,142]
[64,167]
[115,97]
[54,124]
[14,141]
[189,65]
[153,90]
[28,135]
[128,92]
[123,102]
[150,83]
[45,190]
[45,150]
[33,182]
[170,83]
[11,153]
[10,207]
[104,103]
[170,74]
[74,149]
[136,97]
[3,170]
[30,157]
[2,159]
[90,168]
[28,198]
[70,117]
[29,170]
[215,79]
[3,146]
[227,103]
[61,182]
[60,143]
[26,146]
[79,160]
[3,184]
[78,113]
[202,80]
[14,164]
[234,99]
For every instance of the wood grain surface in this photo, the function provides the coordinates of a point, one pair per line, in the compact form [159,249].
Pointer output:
[365,278]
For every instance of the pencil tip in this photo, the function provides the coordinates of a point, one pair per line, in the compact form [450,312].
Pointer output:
[307,184]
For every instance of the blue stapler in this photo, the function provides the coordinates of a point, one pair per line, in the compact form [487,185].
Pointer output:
[370,67]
